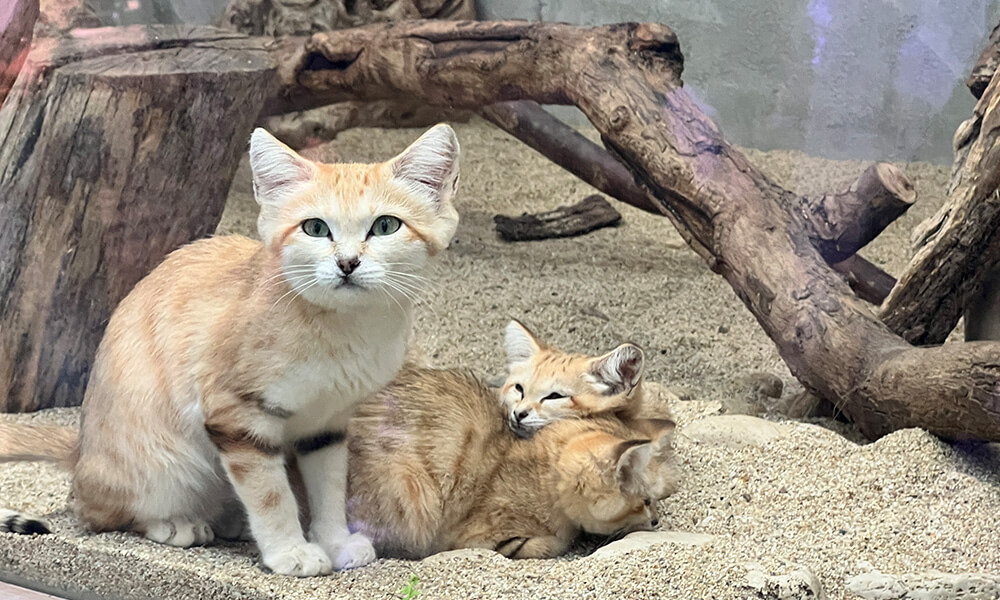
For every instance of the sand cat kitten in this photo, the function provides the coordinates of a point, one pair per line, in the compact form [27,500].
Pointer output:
[545,385]
[434,466]
[233,352]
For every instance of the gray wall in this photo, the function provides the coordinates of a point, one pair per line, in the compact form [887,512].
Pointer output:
[865,79]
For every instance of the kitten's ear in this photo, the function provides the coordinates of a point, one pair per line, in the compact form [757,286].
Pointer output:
[520,343]
[644,468]
[619,370]
[278,172]
[428,168]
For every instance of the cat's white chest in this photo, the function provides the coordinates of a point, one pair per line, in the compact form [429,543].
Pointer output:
[321,392]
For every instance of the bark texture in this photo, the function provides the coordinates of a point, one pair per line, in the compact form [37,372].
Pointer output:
[747,228]
[112,154]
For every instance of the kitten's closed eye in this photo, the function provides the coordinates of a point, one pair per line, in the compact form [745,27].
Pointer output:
[554,396]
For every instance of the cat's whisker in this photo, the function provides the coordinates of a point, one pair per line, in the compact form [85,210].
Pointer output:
[294,289]
[393,298]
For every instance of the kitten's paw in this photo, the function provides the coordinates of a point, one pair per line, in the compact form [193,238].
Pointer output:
[179,532]
[353,551]
[301,560]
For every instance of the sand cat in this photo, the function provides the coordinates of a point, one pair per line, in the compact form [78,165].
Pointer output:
[434,466]
[233,352]
[545,385]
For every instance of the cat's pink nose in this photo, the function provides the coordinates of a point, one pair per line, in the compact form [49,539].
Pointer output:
[347,265]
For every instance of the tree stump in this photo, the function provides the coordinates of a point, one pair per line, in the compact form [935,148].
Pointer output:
[117,147]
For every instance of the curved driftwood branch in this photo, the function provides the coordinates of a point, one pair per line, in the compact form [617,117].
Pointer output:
[749,229]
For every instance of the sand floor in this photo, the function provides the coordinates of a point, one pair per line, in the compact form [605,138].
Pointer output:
[775,497]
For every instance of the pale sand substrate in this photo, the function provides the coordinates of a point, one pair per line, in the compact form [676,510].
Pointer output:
[810,497]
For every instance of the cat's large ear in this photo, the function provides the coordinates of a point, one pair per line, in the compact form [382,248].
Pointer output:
[644,467]
[428,172]
[278,172]
[619,370]
[520,343]
[428,168]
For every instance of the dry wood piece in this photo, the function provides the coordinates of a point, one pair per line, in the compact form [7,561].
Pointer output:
[593,212]
[17,18]
[112,153]
[747,228]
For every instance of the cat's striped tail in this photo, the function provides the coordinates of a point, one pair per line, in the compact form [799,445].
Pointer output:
[23,442]
[15,522]
[53,443]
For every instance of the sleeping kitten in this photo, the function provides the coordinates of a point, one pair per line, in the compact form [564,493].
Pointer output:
[233,352]
[545,385]
[434,467]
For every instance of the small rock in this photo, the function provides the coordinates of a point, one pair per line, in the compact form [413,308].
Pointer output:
[638,540]
[733,430]
[764,384]
[930,585]
[799,584]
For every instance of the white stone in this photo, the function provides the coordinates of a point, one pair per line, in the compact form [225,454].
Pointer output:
[644,539]
[733,430]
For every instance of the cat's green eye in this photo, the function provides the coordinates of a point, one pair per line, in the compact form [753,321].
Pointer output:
[315,228]
[385,225]
[554,396]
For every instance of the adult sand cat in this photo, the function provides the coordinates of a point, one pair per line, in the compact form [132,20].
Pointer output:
[233,352]
[434,467]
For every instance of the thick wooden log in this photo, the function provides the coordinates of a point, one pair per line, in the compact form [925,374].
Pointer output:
[961,243]
[112,154]
[840,223]
[589,214]
[749,229]
[17,19]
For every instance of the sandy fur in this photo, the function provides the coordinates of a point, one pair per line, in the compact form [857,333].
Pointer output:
[234,352]
[434,467]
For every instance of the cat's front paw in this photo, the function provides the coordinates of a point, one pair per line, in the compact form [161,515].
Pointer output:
[353,551]
[301,560]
